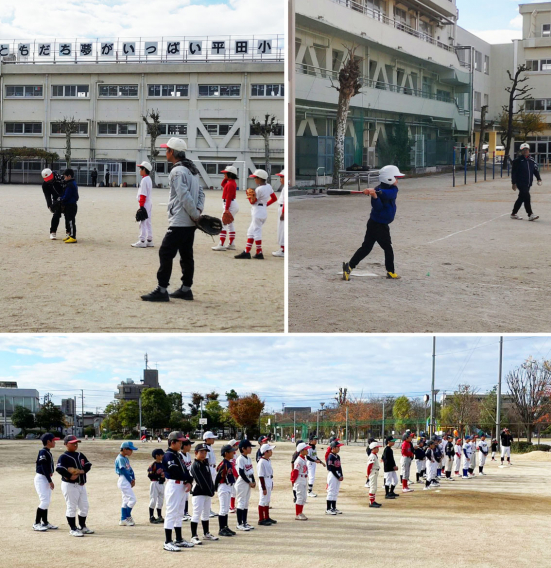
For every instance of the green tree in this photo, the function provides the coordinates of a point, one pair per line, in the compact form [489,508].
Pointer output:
[214,411]
[50,417]
[129,415]
[213,395]
[156,408]
[231,395]
[176,421]
[402,412]
[194,406]
[23,418]
[488,411]
[112,422]
[175,401]
[396,150]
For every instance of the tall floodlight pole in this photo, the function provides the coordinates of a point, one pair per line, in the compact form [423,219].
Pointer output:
[432,398]
[498,408]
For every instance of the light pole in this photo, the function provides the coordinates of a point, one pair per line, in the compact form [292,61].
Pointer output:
[432,398]
[498,406]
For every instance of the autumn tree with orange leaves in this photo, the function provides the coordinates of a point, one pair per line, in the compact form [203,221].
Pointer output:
[246,410]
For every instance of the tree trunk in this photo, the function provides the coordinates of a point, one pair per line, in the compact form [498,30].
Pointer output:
[529,433]
[267,165]
[68,149]
[340,134]
[152,159]
[483,111]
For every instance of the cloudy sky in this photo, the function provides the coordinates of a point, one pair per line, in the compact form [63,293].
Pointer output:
[295,370]
[138,18]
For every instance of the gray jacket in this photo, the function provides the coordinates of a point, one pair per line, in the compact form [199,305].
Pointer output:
[187,200]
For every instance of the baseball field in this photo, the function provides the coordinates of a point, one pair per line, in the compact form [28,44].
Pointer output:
[466,266]
[95,285]
[484,522]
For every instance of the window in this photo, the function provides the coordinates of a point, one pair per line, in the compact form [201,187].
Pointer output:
[539,104]
[532,65]
[80,91]
[487,64]
[219,129]
[400,15]
[425,28]
[486,100]
[122,129]
[278,130]
[128,167]
[23,128]
[118,91]
[477,101]
[275,90]
[173,129]
[23,91]
[442,95]
[219,90]
[55,128]
[546,30]
[545,65]
[478,60]
[160,167]
[168,90]
[214,168]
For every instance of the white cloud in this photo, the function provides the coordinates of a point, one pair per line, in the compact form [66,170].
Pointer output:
[498,36]
[516,22]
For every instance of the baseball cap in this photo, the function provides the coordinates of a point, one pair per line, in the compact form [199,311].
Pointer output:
[374,445]
[390,439]
[266,448]
[525,146]
[48,438]
[201,446]
[246,444]
[226,449]
[281,173]
[145,165]
[208,435]
[467,437]
[233,442]
[296,443]
[312,437]
[70,439]
[128,446]
[230,170]
[157,452]
[262,174]
[336,444]
[186,442]
[302,446]
[175,144]
[176,436]
[47,174]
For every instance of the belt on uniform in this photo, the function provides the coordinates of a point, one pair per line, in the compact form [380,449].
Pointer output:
[224,200]
[260,204]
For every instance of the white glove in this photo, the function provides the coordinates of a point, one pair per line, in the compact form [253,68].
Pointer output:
[540,182]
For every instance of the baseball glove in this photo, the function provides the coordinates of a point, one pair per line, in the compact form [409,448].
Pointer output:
[55,206]
[141,214]
[209,225]
[251,195]
[227,218]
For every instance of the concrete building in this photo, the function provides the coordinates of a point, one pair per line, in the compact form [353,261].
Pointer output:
[9,399]
[129,390]
[68,406]
[207,92]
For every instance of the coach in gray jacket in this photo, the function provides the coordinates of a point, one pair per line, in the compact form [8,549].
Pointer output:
[185,204]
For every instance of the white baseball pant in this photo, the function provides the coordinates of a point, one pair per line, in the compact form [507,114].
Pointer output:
[243,494]
[431,470]
[224,496]
[405,465]
[466,463]
[234,209]
[233,491]
[301,488]
[156,495]
[333,487]
[255,228]
[175,501]
[264,500]
[280,229]
[482,459]
[373,483]
[391,478]
[311,473]
[76,499]
[201,508]
[505,451]
[473,460]
[449,463]
[420,465]
[128,495]
[43,489]
[456,463]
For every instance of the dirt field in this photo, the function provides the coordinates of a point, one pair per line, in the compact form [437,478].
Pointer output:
[465,265]
[499,518]
[95,285]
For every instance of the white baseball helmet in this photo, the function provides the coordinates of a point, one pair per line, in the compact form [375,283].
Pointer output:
[175,144]
[525,146]
[388,174]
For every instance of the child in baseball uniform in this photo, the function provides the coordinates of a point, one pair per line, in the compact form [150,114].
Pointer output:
[245,482]
[265,474]
[235,445]
[299,479]
[506,441]
[144,199]
[230,208]
[53,187]
[458,449]
[69,205]
[474,449]
[209,439]
[126,483]
[420,460]
[466,457]
[43,482]
[293,458]
[390,468]
[188,460]
[373,468]
[405,461]
[260,199]
[157,486]
[431,465]
[202,493]
[313,461]
[261,441]
[73,467]
[494,449]
[223,484]
[438,454]
[334,477]
[482,453]
[449,452]
[281,213]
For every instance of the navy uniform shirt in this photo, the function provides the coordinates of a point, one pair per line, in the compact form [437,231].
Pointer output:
[334,465]
[76,460]
[45,464]
[174,467]
[200,470]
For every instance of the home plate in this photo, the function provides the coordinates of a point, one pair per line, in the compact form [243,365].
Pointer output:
[360,273]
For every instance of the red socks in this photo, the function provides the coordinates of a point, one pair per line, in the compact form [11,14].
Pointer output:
[258,247]
[263,513]
[222,237]
[232,503]
[232,238]
[249,246]
[371,498]
[299,509]
[404,483]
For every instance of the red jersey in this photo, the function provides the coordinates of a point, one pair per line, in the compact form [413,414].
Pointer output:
[229,191]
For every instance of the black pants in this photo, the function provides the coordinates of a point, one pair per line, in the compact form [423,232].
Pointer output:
[523,197]
[70,212]
[55,221]
[177,240]
[375,233]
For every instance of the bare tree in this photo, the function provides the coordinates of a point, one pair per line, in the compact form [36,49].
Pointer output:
[153,131]
[483,112]
[349,86]
[266,129]
[68,126]
[462,409]
[530,385]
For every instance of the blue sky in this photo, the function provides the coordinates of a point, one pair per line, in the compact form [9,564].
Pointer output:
[295,370]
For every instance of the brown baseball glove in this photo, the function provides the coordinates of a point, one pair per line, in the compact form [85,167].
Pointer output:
[251,195]
[227,218]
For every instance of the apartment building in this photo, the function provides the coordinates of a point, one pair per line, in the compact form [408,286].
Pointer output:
[10,398]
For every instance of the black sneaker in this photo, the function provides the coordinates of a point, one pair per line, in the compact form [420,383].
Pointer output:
[346,270]
[152,520]
[159,520]
[188,295]
[271,521]
[243,255]
[156,296]
[395,495]
[389,496]
[259,256]
[375,505]
[225,532]
[264,523]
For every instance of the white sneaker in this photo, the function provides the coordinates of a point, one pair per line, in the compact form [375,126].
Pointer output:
[426,488]
[40,527]
[313,495]
[407,490]
[231,247]
[171,547]
[301,517]
[337,511]
[196,540]
[183,543]
[50,527]
[149,244]
[278,253]
[366,484]
[130,521]
[249,527]
[212,514]
[219,247]
[242,528]
[330,512]
[123,523]
[86,530]
[465,477]
[533,217]
[75,533]
[186,518]
[210,536]
[518,217]
[139,244]
[53,236]
[482,473]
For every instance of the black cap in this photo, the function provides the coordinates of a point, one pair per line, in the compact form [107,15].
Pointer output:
[157,452]
[186,442]
[245,444]
[71,438]
[201,446]
[299,442]
[48,438]
[389,440]
[336,444]
[312,437]
[226,449]
[175,436]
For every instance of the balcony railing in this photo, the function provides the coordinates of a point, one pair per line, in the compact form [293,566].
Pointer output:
[378,15]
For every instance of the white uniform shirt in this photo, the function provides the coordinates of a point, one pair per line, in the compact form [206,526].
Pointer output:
[145,189]
[211,457]
[281,199]
[259,208]
[373,461]
[302,467]
[483,447]
[244,463]
[264,469]
[312,453]
[467,450]
[186,458]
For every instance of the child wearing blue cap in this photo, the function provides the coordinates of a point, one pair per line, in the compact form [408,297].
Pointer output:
[126,482]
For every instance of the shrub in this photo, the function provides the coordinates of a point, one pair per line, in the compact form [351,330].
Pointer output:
[525,447]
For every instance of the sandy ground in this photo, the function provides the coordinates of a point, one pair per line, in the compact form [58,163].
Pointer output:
[499,518]
[465,265]
[95,285]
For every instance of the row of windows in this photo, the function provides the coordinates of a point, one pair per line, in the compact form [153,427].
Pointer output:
[538,65]
[538,105]
[169,90]
[478,62]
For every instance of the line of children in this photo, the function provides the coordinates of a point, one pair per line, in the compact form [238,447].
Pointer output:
[265,474]
[299,479]
[334,477]
[126,483]
[223,484]
[390,468]
[244,484]
[373,468]
[157,486]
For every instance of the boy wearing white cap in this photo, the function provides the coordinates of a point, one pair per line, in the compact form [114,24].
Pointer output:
[144,199]
[299,478]
[126,482]
[260,199]
[209,438]
[230,208]
[281,212]
[186,202]
[266,478]
[373,473]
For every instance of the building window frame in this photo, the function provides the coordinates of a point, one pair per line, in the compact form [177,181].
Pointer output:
[118,131]
[115,92]
[25,125]
[24,95]
[77,94]
[161,87]
[79,134]
[280,86]
[183,130]
[220,90]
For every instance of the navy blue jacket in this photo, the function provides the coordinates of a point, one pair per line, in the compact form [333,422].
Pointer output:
[53,190]
[76,460]
[523,172]
[45,464]
[70,195]
[383,209]
[175,468]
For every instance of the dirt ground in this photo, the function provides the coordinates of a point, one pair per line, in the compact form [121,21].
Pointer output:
[95,285]
[465,265]
[500,518]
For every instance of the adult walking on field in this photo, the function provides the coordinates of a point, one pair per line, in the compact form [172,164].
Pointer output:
[185,205]
[94,177]
[506,441]
[522,176]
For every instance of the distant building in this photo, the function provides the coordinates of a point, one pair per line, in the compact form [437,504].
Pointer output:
[129,390]
[11,397]
[8,385]
[297,409]
[68,406]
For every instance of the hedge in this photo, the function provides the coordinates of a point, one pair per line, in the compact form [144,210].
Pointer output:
[525,447]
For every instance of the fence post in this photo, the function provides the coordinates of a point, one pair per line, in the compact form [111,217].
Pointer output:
[507,168]
[494,166]
[485,163]
[475,164]
[453,167]
[465,183]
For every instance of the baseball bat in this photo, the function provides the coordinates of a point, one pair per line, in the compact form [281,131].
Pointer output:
[342,192]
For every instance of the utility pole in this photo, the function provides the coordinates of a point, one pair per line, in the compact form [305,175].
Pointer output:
[294,426]
[383,425]
[347,425]
[498,409]
[82,408]
[201,419]
[5,419]
[140,413]
[318,423]
[75,417]
[432,398]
